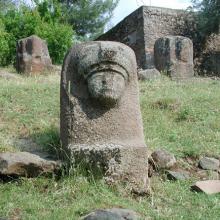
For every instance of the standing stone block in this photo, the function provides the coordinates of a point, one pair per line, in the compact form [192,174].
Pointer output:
[32,56]
[101,124]
[174,55]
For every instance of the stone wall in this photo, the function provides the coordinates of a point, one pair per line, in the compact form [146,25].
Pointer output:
[130,32]
[209,59]
[159,22]
[142,28]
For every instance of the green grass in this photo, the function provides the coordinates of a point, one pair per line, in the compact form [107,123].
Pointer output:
[183,118]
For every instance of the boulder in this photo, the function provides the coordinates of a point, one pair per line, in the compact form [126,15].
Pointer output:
[163,159]
[174,56]
[177,175]
[32,56]
[24,164]
[207,186]
[208,163]
[148,74]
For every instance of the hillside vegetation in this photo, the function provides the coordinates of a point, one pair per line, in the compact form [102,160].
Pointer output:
[183,118]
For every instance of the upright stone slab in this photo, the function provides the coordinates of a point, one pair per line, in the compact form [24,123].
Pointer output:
[174,55]
[101,125]
[32,56]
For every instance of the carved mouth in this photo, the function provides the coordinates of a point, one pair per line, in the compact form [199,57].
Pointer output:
[107,67]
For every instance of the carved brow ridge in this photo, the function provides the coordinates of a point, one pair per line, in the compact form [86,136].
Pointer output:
[97,67]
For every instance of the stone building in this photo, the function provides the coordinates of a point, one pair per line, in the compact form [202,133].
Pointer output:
[142,28]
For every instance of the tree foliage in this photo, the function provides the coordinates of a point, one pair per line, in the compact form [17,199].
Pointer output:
[208,16]
[88,17]
[43,20]
[4,44]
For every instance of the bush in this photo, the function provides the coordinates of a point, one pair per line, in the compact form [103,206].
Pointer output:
[19,24]
[59,39]
[24,22]
[4,45]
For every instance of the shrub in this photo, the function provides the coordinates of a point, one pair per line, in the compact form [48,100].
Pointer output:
[59,39]
[19,24]
[24,22]
[4,45]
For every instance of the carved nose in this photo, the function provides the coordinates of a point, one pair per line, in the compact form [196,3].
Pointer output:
[108,80]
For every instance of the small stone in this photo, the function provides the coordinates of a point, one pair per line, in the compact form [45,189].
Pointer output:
[148,74]
[163,159]
[208,186]
[112,214]
[208,163]
[173,175]
[24,164]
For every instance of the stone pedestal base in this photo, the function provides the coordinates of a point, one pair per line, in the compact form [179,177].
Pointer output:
[114,163]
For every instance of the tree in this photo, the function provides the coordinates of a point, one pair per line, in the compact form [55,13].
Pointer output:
[5,5]
[208,16]
[88,17]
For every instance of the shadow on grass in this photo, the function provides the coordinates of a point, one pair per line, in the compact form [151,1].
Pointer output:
[49,140]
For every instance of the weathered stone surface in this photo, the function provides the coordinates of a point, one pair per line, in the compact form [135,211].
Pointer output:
[32,56]
[177,175]
[148,74]
[24,164]
[143,27]
[174,56]
[112,214]
[208,186]
[163,159]
[101,123]
[208,163]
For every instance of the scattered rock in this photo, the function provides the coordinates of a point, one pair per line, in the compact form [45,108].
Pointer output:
[208,163]
[112,214]
[163,159]
[24,164]
[180,175]
[148,74]
[208,186]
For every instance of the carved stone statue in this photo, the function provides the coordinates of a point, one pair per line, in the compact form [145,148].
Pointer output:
[32,57]
[101,125]
[174,56]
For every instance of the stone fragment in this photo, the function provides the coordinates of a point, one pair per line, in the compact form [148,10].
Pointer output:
[101,125]
[112,214]
[208,186]
[24,164]
[208,163]
[174,56]
[148,74]
[163,159]
[32,56]
[173,175]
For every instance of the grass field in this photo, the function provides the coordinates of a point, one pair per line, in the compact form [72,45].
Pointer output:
[183,118]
